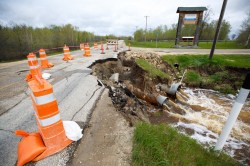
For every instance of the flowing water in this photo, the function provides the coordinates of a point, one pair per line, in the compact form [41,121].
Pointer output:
[206,114]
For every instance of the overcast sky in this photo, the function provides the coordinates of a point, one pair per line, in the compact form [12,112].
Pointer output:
[112,16]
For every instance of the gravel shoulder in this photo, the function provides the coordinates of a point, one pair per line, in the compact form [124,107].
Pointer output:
[108,139]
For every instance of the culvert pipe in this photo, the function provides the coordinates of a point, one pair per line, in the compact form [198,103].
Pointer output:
[161,100]
[170,90]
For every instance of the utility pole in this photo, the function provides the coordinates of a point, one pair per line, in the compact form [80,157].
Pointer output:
[218,28]
[146,27]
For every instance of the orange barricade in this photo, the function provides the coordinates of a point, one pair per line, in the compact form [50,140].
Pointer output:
[44,60]
[51,137]
[86,50]
[95,46]
[35,68]
[81,46]
[66,53]
[102,49]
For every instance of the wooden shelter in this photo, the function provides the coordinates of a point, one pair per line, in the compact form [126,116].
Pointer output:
[189,15]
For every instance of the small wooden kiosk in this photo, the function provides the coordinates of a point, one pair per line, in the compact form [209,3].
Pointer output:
[189,15]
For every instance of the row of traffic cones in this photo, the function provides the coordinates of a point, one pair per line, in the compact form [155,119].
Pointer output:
[50,137]
[35,68]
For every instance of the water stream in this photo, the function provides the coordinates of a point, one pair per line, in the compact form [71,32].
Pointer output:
[206,114]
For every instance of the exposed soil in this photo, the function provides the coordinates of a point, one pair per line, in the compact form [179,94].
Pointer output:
[133,93]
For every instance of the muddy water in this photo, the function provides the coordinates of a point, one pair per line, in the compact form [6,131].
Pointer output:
[206,114]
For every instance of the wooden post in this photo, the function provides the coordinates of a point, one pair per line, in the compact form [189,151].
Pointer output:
[198,28]
[179,27]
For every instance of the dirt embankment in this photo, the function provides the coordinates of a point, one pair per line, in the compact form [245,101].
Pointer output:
[134,93]
[133,90]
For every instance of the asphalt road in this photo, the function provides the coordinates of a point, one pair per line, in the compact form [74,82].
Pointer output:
[75,89]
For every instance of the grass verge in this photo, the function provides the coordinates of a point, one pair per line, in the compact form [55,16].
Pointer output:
[224,73]
[241,61]
[163,145]
[152,70]
[202,45]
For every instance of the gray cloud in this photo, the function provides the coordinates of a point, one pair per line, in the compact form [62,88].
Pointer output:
[111,16]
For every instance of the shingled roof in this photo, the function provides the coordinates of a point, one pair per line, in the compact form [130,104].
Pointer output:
[191,9]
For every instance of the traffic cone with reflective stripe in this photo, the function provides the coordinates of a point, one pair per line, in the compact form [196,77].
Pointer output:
[35,68]
[51,137]
[48,119]
[66,53]
[44,60]
[102,49]
[82,46]
[86,50]
[95,46]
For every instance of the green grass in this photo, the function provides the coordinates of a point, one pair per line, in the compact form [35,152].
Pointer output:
[202,45]
[167,44]
[153,71]
[221,45]
[162,145]
[242,61]
[193,78]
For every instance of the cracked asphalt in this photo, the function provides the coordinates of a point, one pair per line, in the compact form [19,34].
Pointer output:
[75,89]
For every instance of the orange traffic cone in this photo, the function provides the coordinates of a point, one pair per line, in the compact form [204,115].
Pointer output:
[35,68]
[66,53]
[95,46]
[102,49]
[81,46]
[44,60]
[101,46]
[51,137]
[87,50]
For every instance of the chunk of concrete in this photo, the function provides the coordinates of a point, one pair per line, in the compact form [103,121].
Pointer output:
[115,77]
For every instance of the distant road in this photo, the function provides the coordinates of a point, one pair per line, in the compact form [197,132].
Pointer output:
[193,51]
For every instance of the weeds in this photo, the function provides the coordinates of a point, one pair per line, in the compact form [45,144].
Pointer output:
[171,44]
[163,145]
[241,61]
[153,71]
[223,73]
[193,78]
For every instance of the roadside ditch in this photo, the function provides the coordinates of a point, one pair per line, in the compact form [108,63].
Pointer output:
[199,113]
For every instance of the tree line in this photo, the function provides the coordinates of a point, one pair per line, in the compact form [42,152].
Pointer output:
[207,31]
[163,32]
[17,41]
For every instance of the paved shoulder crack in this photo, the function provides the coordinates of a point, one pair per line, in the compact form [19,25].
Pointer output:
[86,102]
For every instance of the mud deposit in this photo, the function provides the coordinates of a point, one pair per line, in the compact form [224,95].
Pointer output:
[199,113]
